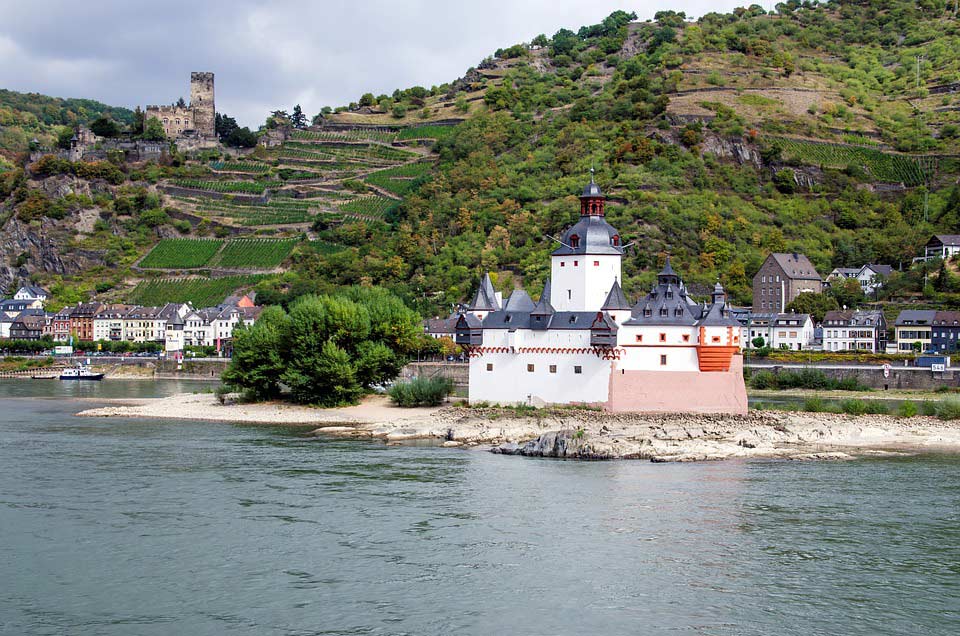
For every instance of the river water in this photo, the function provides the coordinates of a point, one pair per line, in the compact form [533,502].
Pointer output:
[126,527]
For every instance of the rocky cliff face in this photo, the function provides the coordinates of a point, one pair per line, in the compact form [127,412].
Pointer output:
[29,248]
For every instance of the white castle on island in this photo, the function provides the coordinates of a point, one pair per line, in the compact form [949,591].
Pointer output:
[583,343]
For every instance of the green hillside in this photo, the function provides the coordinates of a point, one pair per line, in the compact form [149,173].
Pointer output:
[831,129]
[25,116]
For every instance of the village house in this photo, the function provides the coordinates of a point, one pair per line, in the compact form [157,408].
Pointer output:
[855,331]
[60,324]
[792,331]
[945,332]
[942,246]
[28,327]
[12,307]
[32,292]
[583,342]
[108,322]
[914,328]
[441,327]
[780,279]
[81,320]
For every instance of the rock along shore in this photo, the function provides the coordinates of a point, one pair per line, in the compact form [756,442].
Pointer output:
[581,434]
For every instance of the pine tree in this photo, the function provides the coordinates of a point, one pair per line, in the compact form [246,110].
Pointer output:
[298,119]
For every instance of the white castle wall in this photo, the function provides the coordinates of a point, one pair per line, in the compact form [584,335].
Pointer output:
[582,282]
[510,382]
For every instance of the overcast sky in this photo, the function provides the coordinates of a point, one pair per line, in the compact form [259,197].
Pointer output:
[273,53]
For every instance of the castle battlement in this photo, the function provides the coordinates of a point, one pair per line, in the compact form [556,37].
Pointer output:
[199,116]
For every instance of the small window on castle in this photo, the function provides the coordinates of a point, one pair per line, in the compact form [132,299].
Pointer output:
[717,338]
[663,337]
[596,263]
[686,337]
[563,264]
[578,370]
[663,360]
[576,263]
[489,366]
[553,368]
[530,368]
[616,240]
[639,337]
[574,241]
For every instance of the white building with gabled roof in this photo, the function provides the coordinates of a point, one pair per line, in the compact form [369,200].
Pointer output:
[583,342]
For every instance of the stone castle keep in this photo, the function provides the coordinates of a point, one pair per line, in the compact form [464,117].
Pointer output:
[198,118]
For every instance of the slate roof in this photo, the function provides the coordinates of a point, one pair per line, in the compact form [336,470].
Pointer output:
[784,320]
[543,306]
[616,300]
[486,296]
[441,325]
[519,301]
[595,237]
[35,291]
[667,303]
[952,240]
[796,266]
[915,317]
[854,318]
[525,320]
[947,318]
[882,270]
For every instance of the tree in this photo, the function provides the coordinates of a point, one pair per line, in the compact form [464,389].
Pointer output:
[241,138]
[65,137]
[181,103]
[814,304]
[105,127]
[278,119]
[847,292]
[139,120]
[153,131]
[224,125]
[366,99]
[758,342]
[258,359]
[298,119]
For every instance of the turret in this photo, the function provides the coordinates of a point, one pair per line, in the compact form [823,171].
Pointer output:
[588,261]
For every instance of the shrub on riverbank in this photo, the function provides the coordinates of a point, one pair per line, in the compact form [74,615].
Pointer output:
[327,350]
[421,392]
[803,379]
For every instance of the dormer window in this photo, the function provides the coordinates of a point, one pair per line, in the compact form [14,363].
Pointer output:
[678,311]
[664,311]
[616,240]
[647,312]
[574,241]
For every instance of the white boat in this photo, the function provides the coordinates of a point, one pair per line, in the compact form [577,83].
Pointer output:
[80,372]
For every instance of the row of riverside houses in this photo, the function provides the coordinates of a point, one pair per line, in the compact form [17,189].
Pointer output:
[177,326]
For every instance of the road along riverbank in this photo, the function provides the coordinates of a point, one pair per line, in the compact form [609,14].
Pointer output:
[580,434]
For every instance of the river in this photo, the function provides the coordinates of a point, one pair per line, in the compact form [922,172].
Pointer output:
[119,527]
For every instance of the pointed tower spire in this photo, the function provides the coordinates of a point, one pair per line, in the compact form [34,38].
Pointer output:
[592,199]
[616,300]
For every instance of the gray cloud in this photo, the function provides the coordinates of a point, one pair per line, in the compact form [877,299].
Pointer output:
[272,54]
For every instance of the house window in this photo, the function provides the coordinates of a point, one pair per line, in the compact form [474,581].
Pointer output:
[596,263]
[663,360]
[578,369]
[686,337]
[763,279]
[489,366]
[639,338]
[553,368]
[530,368]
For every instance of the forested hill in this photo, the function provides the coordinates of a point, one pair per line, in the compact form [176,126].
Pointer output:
[814,129]
[25,116]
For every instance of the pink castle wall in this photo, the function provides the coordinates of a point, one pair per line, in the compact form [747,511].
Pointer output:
[679,391]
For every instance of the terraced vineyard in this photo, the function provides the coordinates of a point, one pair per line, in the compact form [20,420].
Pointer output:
[400,180]
[202,292]
[244,187]
[889,167]
[181,253]
[376,207]
[381,135]
[275,212]
[254,253]
[240,166]
[325,247]
[425,132]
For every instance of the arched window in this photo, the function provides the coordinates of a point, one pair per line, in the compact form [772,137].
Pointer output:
[165,121]
[574,241]
[616,240]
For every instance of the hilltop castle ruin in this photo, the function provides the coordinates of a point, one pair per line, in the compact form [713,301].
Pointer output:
[195,120]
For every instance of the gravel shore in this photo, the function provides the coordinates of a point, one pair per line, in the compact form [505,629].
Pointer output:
[582,434]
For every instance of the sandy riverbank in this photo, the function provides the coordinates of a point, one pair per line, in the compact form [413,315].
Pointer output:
[581,434]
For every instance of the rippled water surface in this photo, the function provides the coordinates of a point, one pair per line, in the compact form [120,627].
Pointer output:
[169,527]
